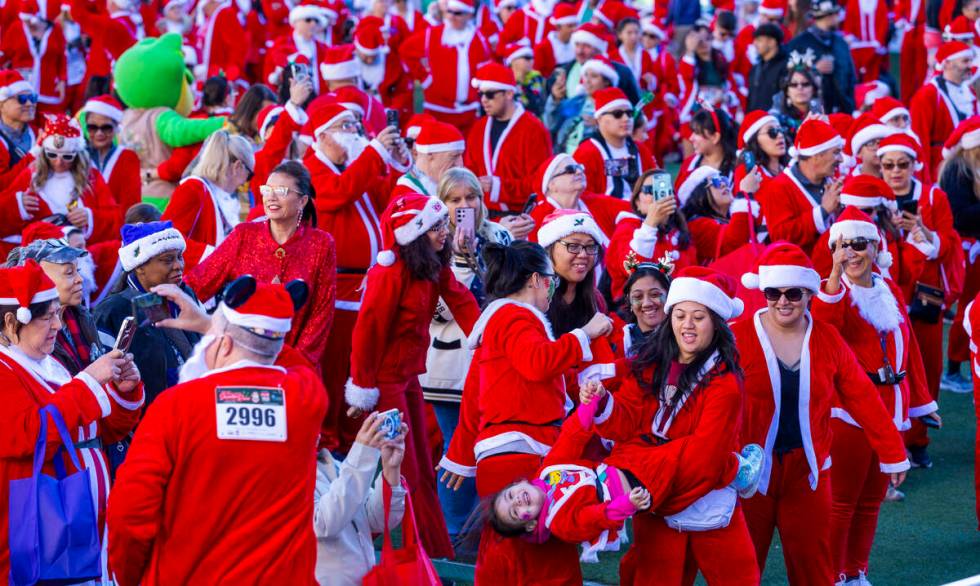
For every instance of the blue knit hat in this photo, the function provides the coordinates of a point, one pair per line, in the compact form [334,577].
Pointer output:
[143,241]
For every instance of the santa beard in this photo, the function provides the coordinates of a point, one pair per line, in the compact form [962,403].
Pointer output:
[877,305]
[196,366]
[353,144]
[372,75]
[86,268]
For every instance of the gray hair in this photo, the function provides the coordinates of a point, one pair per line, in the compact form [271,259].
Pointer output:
[258,348]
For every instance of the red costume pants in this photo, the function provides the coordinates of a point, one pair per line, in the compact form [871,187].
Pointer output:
[514,561]
[930,338]
[664,556]
[801,514]
[417,467]
[858,488]
[338,431]
[959,342]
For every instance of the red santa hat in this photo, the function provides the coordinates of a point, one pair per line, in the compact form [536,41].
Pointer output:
[368,38]
[24,286]
[901,142]
[753,122]
[601,65]
[814,137]
[499,5]
[695,178]
[350,97]
[952,50]
[772,8]
[548,169]
[612,12]
[325,116]
[959,29]
[416,123]
[268,311]
[267,116]
[564,13]
[340,62]
[609,99]
[864,192]
[654,26]
[887,107]
[841,122]
[591,35]
[40,230]
[854,223]
[467,6]
[439,137]
[866,94]
[561,223]
[62,134]
[12,83]
[407,218]
[307,9]
[519,50]
[782,265]
[105,105]
[866,129]
[713,289]
[494,76]
[965,136]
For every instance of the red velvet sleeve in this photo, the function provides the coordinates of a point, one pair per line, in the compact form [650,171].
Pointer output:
[784,222]
[334,191]
[184,207]
[582,518]
[534,356]
[570,445]
[460,300]
[126,410]
[172,169]
[125,181]
[211,274]
[106,214]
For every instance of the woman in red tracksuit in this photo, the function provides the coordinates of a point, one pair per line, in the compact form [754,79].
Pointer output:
[514,402]
[875,325]
[683,405]
[795,370]
[391,338]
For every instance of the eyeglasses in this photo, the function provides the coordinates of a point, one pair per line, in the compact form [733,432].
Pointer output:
[571,169]
[793,294]
[276,190]
[24,99]
[857,245]
[248,170]
[103,128]
[774,132]
[576,248]
[617,114]
[347,126]
[904,165]
[720,182]
[457,13]
[800,84]
[439,227]
[488,95]
[66,157]
[311,19]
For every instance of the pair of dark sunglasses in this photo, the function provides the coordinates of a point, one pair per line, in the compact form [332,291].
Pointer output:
[904,165]
[617,114]
[774,132]
[103,128]
[857,245]
[570,170]
[67,157]
[457,13]
[489,94]
[792,294]
[24,99]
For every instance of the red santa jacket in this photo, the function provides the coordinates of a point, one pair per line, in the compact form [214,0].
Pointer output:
[219,43]
[606,211]
[593,156]
[166,503]
[790,213]
[714,238]
[829,375]
[552,52]
[196,212]
[514,391]
[526,23]
[866,32]
[648,244]
[640,63]
[276,17]
[121,171]
[284,50]
[521,148]
[45,63]
[881,303]
[391,335]
[943,267]
[934,117]
[13,162]
[111,34]
[444,60]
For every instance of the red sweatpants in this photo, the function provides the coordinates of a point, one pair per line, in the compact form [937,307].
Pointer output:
[338,431]
[858,487]
[959,342]
[417,467]
[930,338]
[801,515]
[514,561]
[664,556]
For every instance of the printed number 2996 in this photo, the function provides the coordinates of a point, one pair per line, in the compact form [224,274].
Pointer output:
[251,416]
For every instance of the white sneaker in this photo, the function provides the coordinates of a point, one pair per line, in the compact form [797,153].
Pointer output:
[863,578]
[893,495]
[749,470]
[955,383]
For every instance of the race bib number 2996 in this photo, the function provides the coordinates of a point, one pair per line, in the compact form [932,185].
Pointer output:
[251,413]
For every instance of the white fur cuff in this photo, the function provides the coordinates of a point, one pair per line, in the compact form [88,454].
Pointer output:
[583,341]
[361,397]
[893,468]
[644,240]
[458,469]
[827,297]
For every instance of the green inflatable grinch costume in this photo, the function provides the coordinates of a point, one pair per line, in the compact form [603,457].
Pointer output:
[155,85]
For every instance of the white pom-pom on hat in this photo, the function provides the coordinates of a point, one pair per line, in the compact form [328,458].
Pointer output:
[24,315]
[884,259]
[386,258]
[750,280]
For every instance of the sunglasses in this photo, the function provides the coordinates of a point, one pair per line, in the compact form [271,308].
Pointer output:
[792,294]
[857,245]
[276,190]
[52,156]
[800,84]
[251,173]
[617,114]
[103,128]
[457,13]
[904,165]
[311,19]
[24,99]
[488,95]
[720,182]
[774,132]
[571,169]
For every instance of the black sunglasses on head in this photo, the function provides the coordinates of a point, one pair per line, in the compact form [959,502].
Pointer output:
[103,128]
[792,294]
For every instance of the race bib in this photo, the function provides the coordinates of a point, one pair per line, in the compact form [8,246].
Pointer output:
[251,413]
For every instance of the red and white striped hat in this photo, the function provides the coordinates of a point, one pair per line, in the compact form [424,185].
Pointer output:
[494,76]
[340,62]
[782,265]
[709,287]
[816,136]
[406,219]
[439,137]
[753,122]
[24,286]
[12,83]
[105,105]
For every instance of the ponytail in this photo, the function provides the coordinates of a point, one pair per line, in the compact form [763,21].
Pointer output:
[509,267]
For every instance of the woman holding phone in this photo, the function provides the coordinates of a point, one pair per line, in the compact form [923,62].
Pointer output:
[719,221]
[762,143]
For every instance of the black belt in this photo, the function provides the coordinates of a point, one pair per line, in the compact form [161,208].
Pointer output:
[346,271]
[555,423]
[876,378]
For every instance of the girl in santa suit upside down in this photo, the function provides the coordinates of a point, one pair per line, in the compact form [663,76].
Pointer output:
[513,404]
[391,337]
[683,404]
[876,326]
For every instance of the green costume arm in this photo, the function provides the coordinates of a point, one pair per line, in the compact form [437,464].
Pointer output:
[177,131]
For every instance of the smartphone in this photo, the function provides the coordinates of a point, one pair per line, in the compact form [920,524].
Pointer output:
[299,71]
[929,421]
[662,186]
[748,159]
[391,118]
[466,219]
[532,200]
[910,205]
[391,423]
[153,307]
[127,331]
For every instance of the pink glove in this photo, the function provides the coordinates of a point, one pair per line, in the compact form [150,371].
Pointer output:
[620,508]
[586,413]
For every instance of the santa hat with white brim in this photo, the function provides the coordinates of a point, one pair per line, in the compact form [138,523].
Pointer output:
[709,287]
[406,219]
[12,83]
[105,106]
[782,265]
[588,35]
[493,77]
[304,11]
[864,192]
[604,67]
[696,177]
[267,312]
[141,242]
[24,286]
[562,223]
[439,137]
[814,137]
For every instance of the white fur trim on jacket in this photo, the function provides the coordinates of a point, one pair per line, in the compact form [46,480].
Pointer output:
[930,249]
[139,252]
[100,395]
[363,398]
[476,334]
[644,240]
[468,471]
[742,205]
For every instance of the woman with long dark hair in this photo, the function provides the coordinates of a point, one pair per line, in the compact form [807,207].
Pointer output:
[763,140]
[799,95]
[715,141]
[391,337]
[682,404]
[641,309]
[718,220]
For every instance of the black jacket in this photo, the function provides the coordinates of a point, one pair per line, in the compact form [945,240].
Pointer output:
[764,79]
[837,88]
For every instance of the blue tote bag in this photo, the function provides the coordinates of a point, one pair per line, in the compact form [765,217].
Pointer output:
[54,533]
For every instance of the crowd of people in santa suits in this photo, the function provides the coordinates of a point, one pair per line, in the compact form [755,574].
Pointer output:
[459,212]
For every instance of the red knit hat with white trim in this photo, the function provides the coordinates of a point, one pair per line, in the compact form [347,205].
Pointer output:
[564,13]
[709,287]
[269,310]
[592,35]
[326,115]
[340,62]
[965,136]
[601,65]
[12,83]
[854,223]
[24,286]
[416,123]
[105,105]
[814,137]
[753,122]
[520,49]
[439,137]
[62,134]
[865,129]
[467,6]
[40,230]
[864,192]
[901,142]
[694,178]
[654,26]
[561,223]
[952,50]
[781,265]
[609,99]
[959,29]
[308,9]
[493,77]
[407,218]
[499,5]
[865,94]
[368,38]
[886,108]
